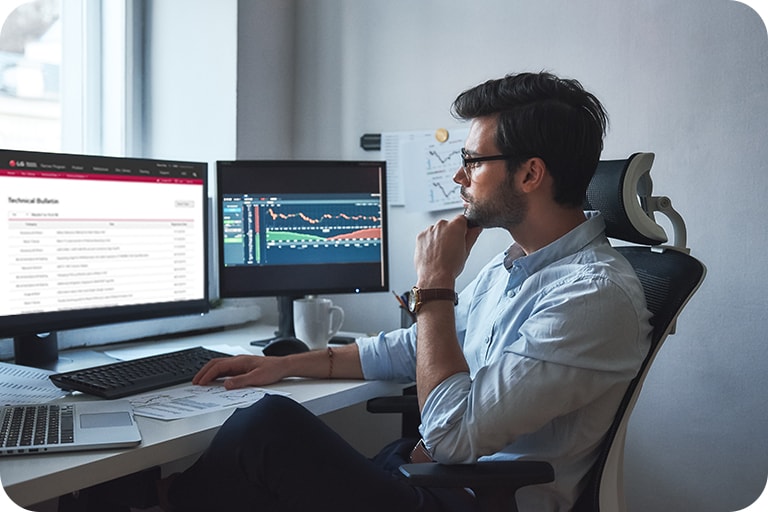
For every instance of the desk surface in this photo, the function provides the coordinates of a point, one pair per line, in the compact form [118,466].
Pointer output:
[32,479]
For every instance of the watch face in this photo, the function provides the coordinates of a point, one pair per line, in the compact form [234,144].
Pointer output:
[413,300]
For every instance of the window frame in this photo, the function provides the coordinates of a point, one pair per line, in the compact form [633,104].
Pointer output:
[102,59]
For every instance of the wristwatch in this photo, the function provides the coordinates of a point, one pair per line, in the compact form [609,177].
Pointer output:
[419,296]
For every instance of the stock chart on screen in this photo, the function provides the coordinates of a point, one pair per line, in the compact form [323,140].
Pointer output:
[301,229]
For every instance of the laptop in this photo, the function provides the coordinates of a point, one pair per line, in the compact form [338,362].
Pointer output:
[67,426]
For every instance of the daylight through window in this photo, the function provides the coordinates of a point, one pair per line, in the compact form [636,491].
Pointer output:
[30,65]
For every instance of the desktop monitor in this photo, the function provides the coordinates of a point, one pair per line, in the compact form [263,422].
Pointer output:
[291,228]
[93,240]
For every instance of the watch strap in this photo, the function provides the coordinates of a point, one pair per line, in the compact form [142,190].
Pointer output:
[428,294]
[419,296]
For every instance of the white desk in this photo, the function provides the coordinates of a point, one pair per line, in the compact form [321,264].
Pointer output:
[36,478]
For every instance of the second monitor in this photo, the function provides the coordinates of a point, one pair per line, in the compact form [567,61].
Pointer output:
[290,228]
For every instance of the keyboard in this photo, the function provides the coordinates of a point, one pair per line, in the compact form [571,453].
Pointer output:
[125,378]
[32,425]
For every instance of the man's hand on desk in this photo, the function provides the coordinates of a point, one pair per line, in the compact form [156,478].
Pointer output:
[246,370]
[242,371]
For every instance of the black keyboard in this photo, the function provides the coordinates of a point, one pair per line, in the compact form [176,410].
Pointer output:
[125,378]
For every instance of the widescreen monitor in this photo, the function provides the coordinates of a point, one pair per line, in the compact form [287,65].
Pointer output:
[292,228]
[94,240]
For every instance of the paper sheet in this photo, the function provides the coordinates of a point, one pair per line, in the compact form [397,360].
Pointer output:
[172,404]
[432,165]
[397,176]
[26,385]
[420,169]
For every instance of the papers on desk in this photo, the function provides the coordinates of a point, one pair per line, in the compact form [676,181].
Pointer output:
[191,400]
[177,403]
[26,385]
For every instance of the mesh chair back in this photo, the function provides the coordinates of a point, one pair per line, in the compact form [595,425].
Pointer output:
[669,279]
[606,193]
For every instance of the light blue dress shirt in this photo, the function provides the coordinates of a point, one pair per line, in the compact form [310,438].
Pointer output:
[552,340]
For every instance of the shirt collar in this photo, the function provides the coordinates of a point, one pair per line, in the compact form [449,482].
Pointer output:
[570,243]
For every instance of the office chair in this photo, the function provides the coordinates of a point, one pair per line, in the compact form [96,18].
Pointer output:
[622,191]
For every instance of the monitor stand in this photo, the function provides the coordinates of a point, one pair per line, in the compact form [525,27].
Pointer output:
[284,321]
[38,350]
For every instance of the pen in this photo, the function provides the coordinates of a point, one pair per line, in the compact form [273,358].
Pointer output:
[401,300]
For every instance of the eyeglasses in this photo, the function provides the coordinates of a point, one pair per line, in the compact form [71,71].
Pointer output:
[469,163]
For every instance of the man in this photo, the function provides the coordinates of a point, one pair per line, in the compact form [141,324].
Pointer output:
[530,363]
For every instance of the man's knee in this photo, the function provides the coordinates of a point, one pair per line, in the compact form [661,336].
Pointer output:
[270,415]
[272,407]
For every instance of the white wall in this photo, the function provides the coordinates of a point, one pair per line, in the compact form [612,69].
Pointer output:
[685,79]
[265,80]
[191,70]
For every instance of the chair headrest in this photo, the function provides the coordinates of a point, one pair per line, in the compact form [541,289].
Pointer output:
[618,190]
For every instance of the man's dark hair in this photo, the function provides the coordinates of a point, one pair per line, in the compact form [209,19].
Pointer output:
[541,115]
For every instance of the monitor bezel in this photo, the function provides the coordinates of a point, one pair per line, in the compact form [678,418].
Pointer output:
[27,324]
[226,275]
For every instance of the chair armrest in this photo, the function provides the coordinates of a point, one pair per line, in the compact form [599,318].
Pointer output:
[404,404]
[509,474]
[494,483]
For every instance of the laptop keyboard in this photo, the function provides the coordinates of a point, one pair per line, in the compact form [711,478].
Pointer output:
[33,425]
[127,378]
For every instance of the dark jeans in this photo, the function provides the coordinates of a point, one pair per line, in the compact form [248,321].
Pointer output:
[277,456]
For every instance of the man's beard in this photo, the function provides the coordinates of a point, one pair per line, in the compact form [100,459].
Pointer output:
[505,209]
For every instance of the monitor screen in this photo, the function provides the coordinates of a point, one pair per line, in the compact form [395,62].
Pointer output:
[291,228]
[90,240]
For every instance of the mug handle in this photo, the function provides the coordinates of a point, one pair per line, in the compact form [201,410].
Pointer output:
[338,313]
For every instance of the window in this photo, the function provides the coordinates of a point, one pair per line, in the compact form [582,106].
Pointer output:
[30,63]
[67,80]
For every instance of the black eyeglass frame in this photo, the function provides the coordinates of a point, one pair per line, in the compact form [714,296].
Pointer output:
[466,159]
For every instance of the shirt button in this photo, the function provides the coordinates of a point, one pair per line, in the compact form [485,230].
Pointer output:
[511,293]
[487,340]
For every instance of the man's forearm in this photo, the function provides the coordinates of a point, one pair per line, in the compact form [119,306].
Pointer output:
[341,363]
[438,355]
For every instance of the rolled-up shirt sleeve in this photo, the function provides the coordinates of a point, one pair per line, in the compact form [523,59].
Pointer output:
[389,356]
[568,355]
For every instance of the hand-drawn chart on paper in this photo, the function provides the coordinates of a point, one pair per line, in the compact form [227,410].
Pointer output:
[428,167]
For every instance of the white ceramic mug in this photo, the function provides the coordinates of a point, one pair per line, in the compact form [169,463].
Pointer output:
[316,320]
